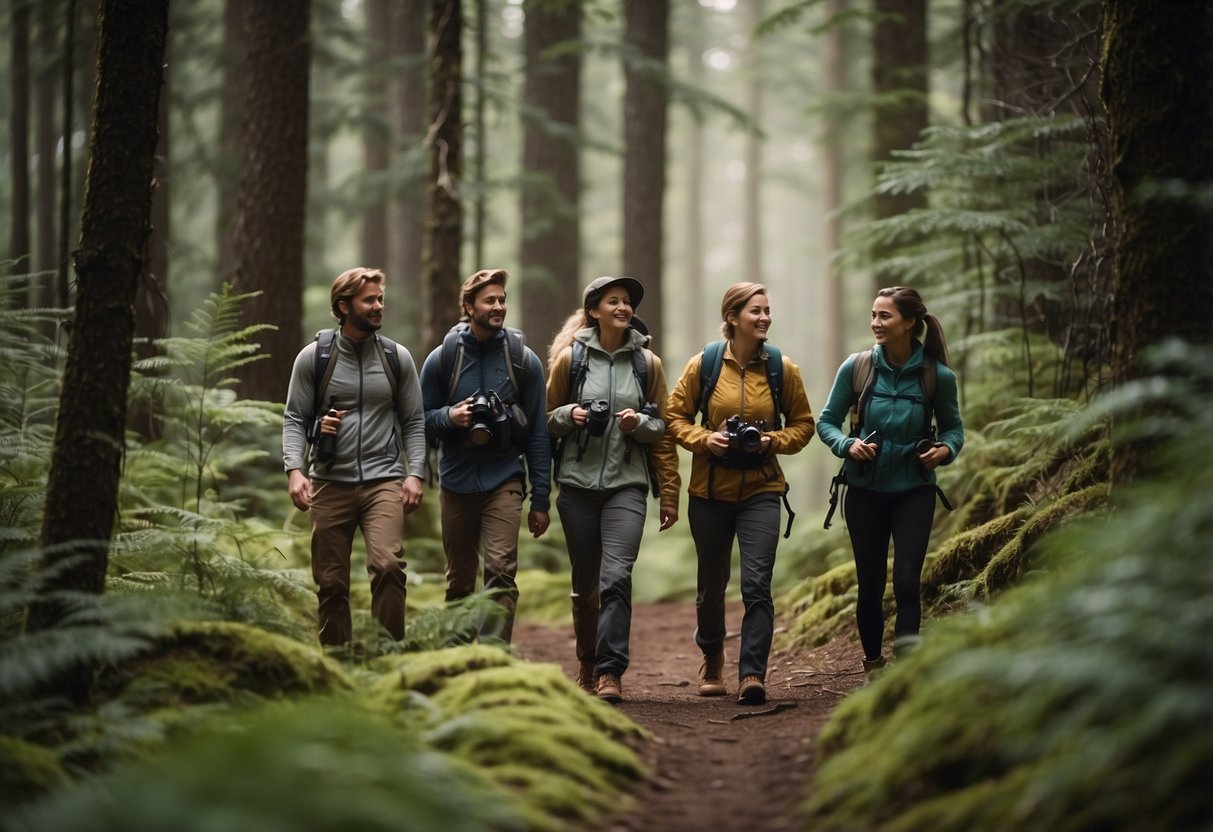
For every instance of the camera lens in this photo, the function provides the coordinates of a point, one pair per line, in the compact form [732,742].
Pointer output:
[923,446]
[480,431]
[749,438]
[599,417]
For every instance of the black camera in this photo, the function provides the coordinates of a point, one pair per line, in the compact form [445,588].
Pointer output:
[489,420]
[924,445]
[744,436]
[649,409]
[599,416]
[325,444]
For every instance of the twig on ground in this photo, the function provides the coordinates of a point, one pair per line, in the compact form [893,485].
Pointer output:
[780,706]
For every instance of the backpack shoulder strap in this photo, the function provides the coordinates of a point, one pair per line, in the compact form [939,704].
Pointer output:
[451,358]
[579,362]
[322,371]
[863,377]
[390,359]
[929,381]
[642,363]
[709,373]
[774,369]
[516,364]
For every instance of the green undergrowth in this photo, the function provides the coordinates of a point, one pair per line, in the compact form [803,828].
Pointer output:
[525,725]
[1029,478]
[219,725]
[1078,699]
[1076,703]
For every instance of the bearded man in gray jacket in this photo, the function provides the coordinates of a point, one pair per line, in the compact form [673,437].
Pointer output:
[354,397]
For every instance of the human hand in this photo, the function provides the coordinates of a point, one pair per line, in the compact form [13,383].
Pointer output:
[330,422]
[629,420]
[938,455]
[537,522]
[411,494]
[669,516]
[862,450]
[460,414]
[579,415]
[718,444]
[300,489]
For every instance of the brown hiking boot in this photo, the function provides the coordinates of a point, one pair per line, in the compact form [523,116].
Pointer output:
[711,675]
[585,677]
[609,688]
[751,691]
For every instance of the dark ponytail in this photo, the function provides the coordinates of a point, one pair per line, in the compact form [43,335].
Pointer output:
[928,329]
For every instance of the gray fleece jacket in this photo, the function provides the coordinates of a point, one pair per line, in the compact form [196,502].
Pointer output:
[373,443]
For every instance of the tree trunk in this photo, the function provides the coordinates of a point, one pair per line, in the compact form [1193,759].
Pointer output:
[479,175]
[834,64]
[19,230]
[1157,85]
[82,487]
[46,138]
[695,308]
[273,189]
[645,112]
[899,84]
[376,136]
[551,165]
[408,28]
[62,287]
[752,267]
[441,275]
[231,120]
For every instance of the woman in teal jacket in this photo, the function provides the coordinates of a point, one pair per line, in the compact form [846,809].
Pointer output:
[891,457]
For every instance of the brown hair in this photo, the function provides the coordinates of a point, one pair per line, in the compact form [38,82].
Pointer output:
[475,282]
[735,297]
[349,283]
[909,304]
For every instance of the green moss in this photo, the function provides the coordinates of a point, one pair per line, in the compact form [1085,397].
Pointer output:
[27,771]
[525,725]
[1012,561]
[211,661]
[819,608]
[544,596]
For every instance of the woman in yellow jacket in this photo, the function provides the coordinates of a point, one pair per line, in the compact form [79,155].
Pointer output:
[737,483]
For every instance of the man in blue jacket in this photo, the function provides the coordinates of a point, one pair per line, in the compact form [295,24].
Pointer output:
[484,395]
[355,398]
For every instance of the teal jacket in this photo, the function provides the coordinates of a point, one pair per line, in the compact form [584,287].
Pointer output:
[898,409]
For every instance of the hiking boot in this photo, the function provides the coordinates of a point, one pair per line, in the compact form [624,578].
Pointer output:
[585,677]
[609,688]
[711,675]
[872,669]
[751,691]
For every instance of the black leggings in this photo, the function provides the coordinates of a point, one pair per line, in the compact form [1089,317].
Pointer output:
[872,518]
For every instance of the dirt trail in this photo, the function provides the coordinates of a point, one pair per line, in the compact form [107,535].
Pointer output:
[717,766]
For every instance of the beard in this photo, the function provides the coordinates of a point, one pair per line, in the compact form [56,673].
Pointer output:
[485,321]
[364,323]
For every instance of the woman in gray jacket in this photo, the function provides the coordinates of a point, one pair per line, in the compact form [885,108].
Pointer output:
[605,402]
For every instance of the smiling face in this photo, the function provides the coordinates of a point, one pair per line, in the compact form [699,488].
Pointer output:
[888,325]
[753,320]
[364,311]
[613,311]
[487,310]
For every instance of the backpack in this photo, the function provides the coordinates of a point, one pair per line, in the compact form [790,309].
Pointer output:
[452,359]
[709,374]
[579,365]
[323,369]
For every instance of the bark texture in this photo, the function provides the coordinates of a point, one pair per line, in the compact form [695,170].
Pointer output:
[273,188]
[441,275]
[82,489]
[551,164]
[647,31]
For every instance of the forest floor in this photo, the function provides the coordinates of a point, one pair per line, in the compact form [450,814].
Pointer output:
[716,766]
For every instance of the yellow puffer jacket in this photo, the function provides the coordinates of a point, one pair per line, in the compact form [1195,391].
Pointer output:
[745,393]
